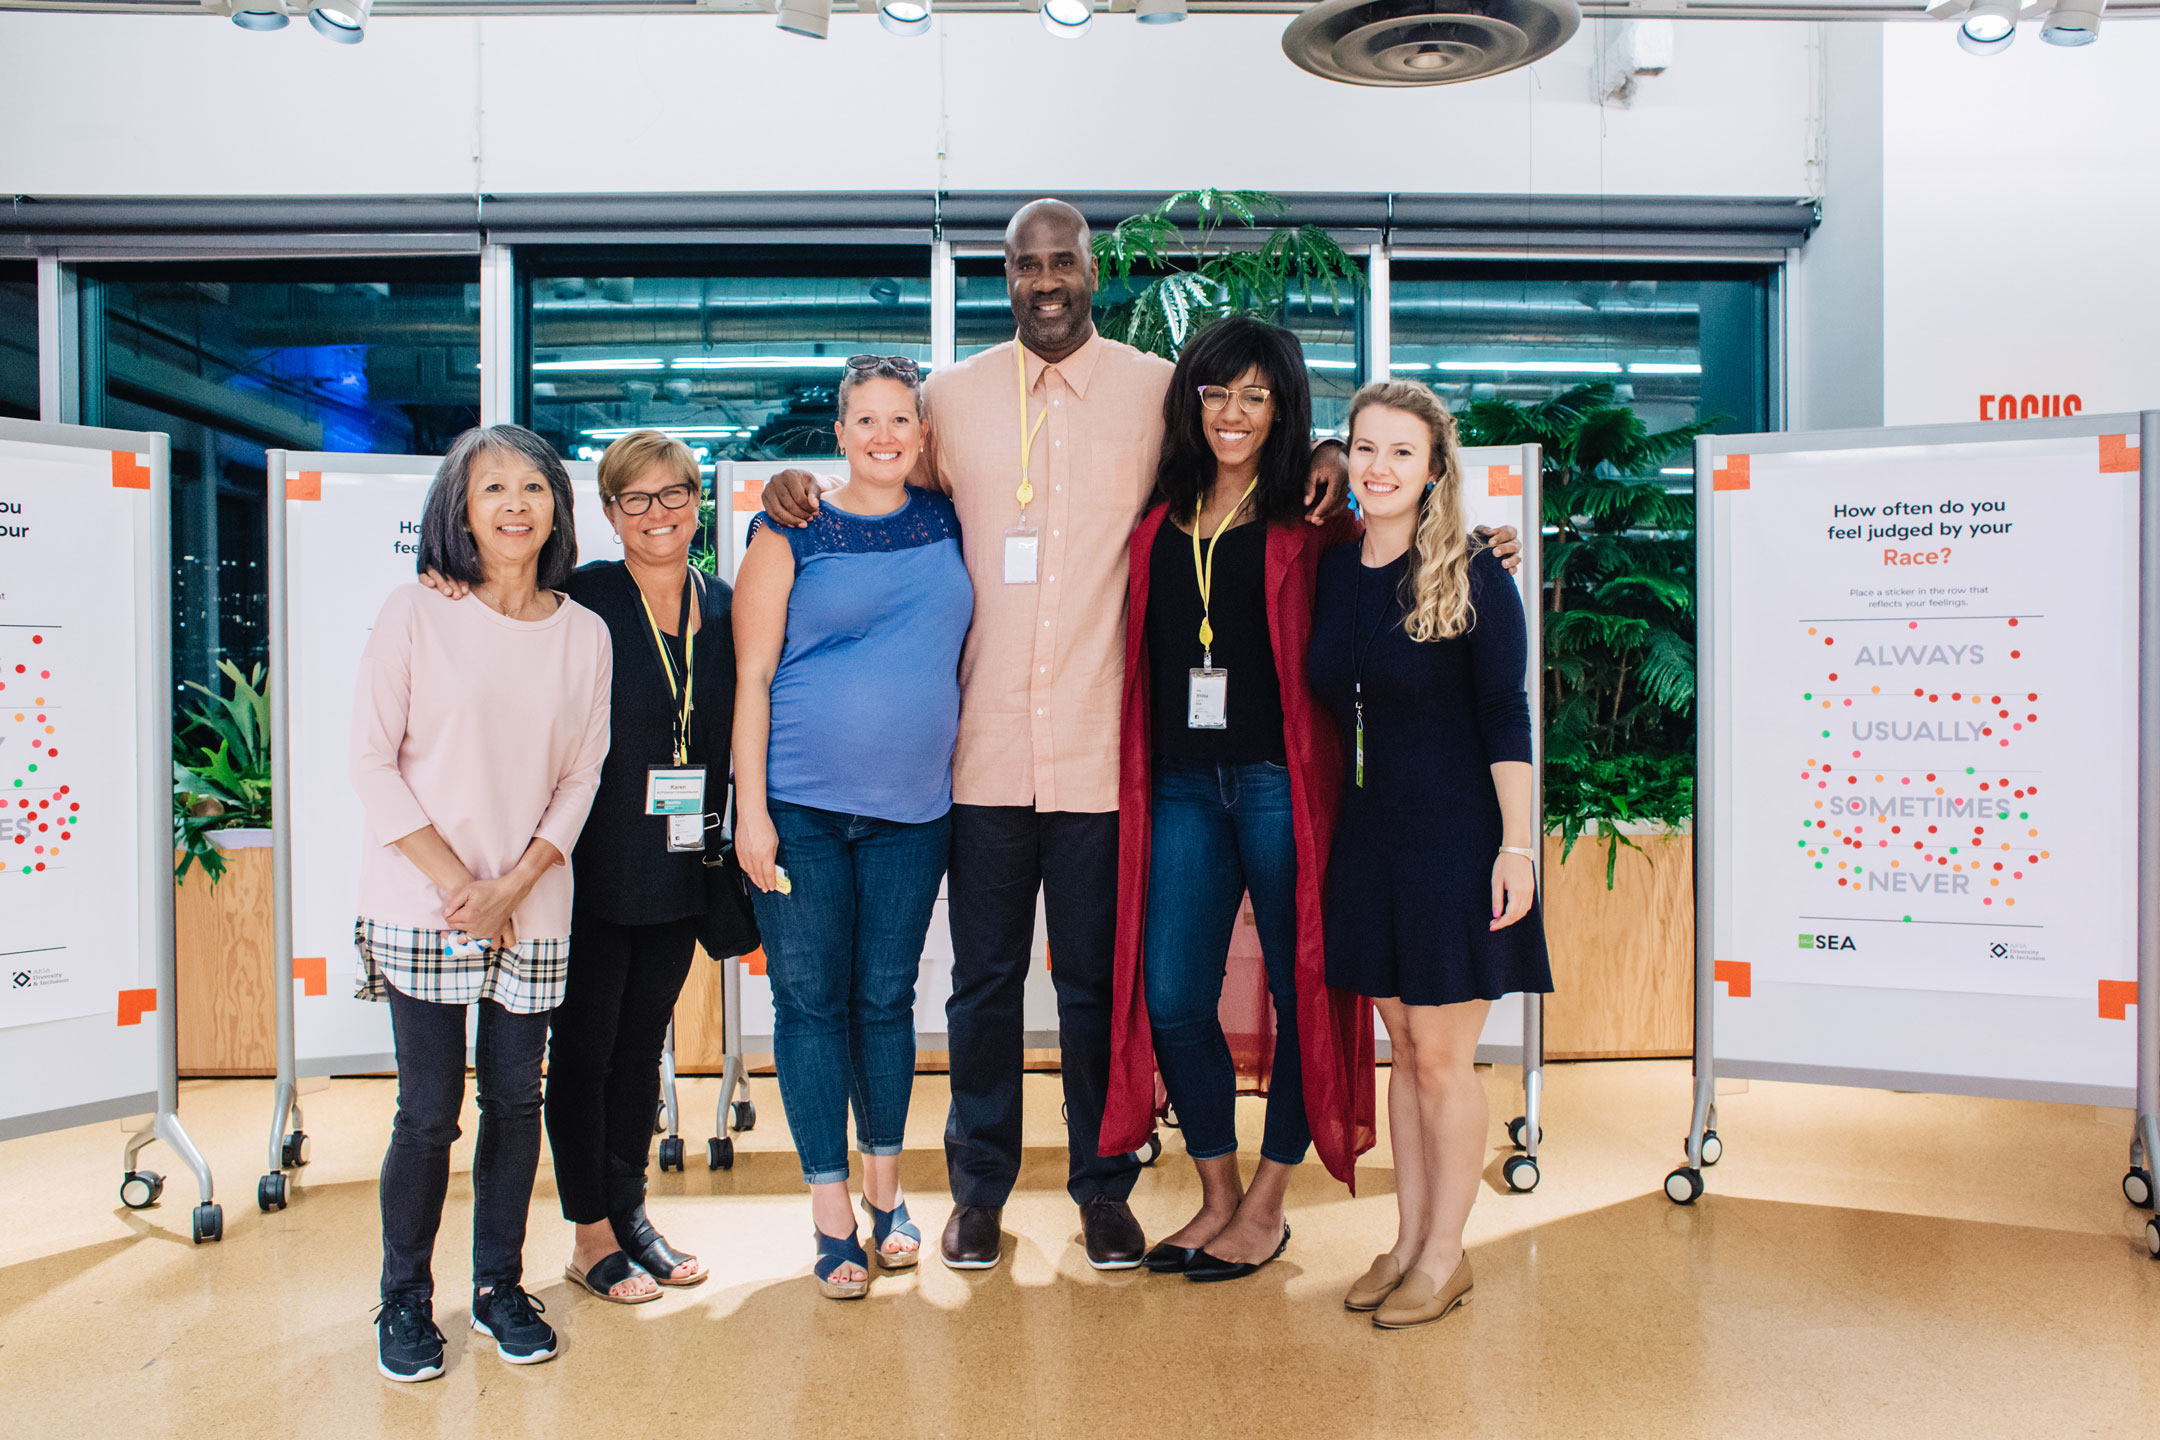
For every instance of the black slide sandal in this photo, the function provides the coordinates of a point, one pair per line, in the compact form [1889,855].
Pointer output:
[611,1270]
[650,1249]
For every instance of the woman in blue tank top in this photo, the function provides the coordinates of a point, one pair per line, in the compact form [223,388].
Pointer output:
[847,646]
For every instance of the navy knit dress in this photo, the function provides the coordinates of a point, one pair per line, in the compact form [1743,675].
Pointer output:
[1409,887]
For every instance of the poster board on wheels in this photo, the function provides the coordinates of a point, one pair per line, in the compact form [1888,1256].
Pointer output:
[86,846]
[343,535]
[1922,766]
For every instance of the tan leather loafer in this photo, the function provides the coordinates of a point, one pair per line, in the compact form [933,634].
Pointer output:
[1417,1302]
[1374,1286]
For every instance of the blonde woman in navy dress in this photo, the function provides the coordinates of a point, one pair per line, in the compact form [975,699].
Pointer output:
[1418,648]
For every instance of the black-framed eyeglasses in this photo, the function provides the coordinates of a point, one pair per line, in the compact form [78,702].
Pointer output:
[900,365]
[1252,399]
[673,497]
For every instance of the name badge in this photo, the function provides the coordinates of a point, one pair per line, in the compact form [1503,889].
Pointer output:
[1022,547]
[686,833]
[675,790]
[1207,700]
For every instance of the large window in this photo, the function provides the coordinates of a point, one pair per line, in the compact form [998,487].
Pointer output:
[1331,330]
[1677,342]
[737,351]
[18,340]
[233,359]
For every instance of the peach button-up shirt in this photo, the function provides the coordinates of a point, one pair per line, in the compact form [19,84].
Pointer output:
[1042,674]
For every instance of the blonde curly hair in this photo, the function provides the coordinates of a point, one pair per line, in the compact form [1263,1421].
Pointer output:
[1437,599]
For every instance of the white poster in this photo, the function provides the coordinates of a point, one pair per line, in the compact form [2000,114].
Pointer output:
[70,698]
[1930,736]
[352,533]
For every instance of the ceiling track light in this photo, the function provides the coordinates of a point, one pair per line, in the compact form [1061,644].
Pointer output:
[809,18]
[1068,19]
[1159,12]
[258,14]
[1988,27]
[344,21]
[2073,22]
[904,17]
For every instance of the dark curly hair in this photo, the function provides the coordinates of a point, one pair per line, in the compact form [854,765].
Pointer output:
[1217,356]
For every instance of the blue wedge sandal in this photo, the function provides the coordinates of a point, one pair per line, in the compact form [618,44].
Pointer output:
[884,1224]
[835,1251]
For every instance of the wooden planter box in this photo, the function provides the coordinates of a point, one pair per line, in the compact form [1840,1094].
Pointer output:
[1623,960]
[227,1003]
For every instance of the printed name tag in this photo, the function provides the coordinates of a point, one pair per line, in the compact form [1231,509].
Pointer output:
[1207,700]
[675,790]
[686,832]
[1022,546]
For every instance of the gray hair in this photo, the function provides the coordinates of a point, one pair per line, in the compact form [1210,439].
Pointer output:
[446,541]
[885,370]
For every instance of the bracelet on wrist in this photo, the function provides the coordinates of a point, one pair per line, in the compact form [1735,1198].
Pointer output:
[1522,850]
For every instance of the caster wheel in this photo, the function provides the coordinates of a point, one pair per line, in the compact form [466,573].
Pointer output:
[671,1153]
[1149,1153]
[720,1153]
[744,1115]
[270,1193]
[1517,1126]
[1683,1186]
[210,1223]
[297,1146]
[2138,1188]
[1713,1149]
[1521,1174]
[2152,1238]
[139,1189]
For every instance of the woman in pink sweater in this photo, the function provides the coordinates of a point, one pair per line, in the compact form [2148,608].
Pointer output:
[479,728]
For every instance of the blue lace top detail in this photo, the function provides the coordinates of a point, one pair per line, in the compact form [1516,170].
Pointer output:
[926,518]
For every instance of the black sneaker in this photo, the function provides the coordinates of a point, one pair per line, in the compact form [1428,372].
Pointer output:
[407,1344]
[511,1318]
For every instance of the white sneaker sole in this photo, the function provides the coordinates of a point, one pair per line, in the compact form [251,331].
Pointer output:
[538,1357]
[1115,1264]
[388,1374]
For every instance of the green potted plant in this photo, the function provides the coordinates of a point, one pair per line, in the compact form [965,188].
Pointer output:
[221,773]
[1619,613]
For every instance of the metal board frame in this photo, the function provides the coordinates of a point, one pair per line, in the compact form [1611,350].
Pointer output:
[1684,1184]
[154,839]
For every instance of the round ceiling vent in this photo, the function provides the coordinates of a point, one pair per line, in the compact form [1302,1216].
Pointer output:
[1426,42]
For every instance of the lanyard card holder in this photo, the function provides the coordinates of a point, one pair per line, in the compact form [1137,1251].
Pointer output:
[1207,699]
[1023,549]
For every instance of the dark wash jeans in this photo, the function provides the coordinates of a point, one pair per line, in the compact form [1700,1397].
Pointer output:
[842,950]
[430,1041]
[1001,856]
[603,1083]
[1218,832]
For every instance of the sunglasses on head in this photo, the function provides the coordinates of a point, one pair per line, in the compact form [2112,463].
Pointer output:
[899,365]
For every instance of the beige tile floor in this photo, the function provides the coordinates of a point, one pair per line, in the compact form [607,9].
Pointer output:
[1866,1264]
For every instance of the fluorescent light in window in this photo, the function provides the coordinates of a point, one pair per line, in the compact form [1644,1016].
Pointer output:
[1660,367]
[760,362]
[616,432]
[1406,365]
[1682,470]
[1535,367]
[599,364]
[1311,364]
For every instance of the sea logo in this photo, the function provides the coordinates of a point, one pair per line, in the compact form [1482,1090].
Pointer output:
[1826,942]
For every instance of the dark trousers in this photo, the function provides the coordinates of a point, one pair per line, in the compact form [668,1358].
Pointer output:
[1001,856]
[603,1082]
[430,1043]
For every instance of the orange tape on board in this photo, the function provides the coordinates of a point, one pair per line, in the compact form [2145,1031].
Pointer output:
[2116,998]
[304,485]
[312,973]
[1733,475]
[1501,480]
[128,473]
[1737,975]
[2119,454]
[134,1004]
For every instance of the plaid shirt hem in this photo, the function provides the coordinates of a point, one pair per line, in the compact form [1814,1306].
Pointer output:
[525,980]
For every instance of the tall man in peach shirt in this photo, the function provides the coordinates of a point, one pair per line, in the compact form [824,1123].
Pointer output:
[1044,531]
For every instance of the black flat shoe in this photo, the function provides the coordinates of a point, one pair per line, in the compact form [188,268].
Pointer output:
[1168,1259]
[1205,1268]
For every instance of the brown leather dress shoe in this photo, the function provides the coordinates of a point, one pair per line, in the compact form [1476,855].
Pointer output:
[1114,1240]
[973,1235]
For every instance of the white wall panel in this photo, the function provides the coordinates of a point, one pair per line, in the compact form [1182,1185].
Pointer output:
[2021,221]
[188,105]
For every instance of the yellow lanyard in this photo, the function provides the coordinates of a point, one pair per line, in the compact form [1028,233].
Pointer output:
[1026,492]
[1206,570]
[667,667]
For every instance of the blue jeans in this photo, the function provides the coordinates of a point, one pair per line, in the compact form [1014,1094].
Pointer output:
[1218,833]
[842,950]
